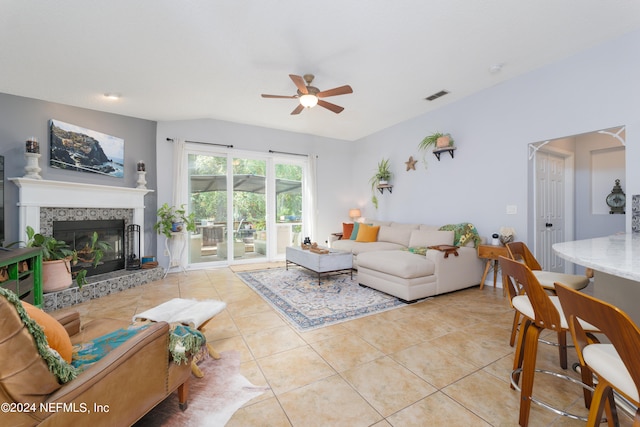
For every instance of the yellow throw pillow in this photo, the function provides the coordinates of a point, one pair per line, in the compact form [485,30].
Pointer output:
[56,334]
[367,233]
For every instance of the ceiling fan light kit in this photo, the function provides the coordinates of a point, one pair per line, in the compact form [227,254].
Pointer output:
[310,96]
[309,100]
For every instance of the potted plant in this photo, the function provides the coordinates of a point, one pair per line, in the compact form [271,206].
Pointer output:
[172,220]
[58,256]
[436,140]
[381,177]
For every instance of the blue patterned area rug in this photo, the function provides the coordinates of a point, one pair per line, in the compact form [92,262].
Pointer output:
[296,294]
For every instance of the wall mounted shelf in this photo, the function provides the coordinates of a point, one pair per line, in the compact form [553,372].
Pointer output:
[438,151]
[381,188]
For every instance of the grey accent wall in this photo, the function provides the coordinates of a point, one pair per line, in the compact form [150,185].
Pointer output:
[21,118]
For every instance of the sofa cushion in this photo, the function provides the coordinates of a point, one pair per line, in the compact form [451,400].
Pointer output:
[398,263]
[57,336]
[367,233]
[395,234]
[430,238]
[347,229]
[358,247]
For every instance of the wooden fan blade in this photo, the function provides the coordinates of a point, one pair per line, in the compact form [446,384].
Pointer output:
[279,96]
[299,82]
[342,90]
[298,109]
[329,106]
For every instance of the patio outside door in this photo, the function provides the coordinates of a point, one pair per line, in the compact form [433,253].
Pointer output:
[230,212]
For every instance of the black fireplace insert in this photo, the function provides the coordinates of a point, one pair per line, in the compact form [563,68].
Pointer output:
[77,234]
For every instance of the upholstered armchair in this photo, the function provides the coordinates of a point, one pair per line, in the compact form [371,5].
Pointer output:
[117,390]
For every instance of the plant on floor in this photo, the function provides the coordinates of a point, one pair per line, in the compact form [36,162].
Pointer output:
[381,177]
[172,219]
[59,253]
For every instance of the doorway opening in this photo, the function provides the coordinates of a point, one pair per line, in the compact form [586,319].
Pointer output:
[569,180]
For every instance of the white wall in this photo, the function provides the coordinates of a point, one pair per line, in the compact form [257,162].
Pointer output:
[594,90]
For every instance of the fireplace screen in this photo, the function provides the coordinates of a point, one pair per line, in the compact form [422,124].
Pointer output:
[77,234]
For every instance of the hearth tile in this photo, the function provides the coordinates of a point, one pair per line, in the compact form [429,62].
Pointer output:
[86,293]
[102,289]
[66,298]
[50,302]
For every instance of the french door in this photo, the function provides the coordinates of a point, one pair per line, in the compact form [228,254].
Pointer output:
[248,208]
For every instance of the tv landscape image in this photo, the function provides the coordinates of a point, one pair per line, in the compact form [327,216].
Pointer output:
[79,149]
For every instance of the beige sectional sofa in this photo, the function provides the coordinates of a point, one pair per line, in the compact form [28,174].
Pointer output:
[390,266]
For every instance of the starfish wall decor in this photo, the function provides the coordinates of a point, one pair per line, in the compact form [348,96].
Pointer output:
[411,164]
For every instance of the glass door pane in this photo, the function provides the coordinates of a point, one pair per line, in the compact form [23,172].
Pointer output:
[249,209]
[289,199]
[208,201]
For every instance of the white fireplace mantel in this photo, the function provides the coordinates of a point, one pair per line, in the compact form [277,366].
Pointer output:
[40,193]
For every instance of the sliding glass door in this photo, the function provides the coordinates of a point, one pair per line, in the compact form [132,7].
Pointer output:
[288,206]
[246,208]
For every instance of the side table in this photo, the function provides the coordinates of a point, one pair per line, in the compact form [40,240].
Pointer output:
[175,248]
[491,254]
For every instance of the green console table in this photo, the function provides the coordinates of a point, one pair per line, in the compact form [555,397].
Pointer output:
[24,270]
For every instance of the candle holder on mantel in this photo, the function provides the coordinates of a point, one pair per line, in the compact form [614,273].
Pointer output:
[32,156]
[142,172]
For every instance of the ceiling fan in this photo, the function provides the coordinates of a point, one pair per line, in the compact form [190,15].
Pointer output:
[309,95]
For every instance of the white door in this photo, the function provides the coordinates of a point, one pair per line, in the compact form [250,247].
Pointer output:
[550,209]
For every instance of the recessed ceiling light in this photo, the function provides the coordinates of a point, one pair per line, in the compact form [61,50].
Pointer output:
[496,68]
[112,95]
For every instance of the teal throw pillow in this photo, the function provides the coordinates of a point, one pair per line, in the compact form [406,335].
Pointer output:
[354,233]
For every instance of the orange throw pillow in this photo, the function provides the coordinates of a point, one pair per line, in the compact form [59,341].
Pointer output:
[367,233]
[56,334]
[347,229]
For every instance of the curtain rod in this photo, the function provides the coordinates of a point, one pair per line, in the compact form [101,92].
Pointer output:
[286,152]
[207,143]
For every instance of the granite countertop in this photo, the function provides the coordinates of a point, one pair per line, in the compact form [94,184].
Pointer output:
[618,254]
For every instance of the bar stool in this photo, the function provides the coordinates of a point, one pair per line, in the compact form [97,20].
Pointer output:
[540,311]
[616,365]
[518,251]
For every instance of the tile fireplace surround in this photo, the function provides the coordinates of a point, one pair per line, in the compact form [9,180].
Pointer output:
[42,201]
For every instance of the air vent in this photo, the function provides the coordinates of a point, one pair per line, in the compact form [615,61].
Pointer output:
[436,95]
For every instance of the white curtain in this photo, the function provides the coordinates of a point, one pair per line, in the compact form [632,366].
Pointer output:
[310,195]
[179,173]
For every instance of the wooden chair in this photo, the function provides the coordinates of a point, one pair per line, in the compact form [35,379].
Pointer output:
[518,251]
[616,365]
[540,311]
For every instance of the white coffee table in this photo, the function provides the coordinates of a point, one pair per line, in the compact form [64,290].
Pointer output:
[339,262]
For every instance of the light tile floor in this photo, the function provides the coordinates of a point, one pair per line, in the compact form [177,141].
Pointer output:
[444,361]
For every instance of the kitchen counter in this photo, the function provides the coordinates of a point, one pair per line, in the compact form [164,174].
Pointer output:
[615,260]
